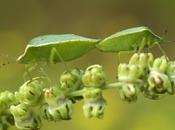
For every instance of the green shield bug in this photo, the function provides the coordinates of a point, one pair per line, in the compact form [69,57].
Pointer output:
[129,39]
[55,48]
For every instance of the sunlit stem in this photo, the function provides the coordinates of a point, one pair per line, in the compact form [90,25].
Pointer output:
[82,91]
[76,93]
[113,85]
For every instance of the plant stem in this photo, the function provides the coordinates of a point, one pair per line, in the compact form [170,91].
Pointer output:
[81,92]
[113,85]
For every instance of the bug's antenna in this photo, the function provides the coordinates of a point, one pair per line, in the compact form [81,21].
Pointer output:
[164,35]
[169,41]
[160,48]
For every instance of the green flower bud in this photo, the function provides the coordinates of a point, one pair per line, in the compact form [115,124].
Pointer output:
[59,107]
[150,94]
[127,72]
[159,82]
[145,60]
[44,112]
[171,69]
[71,80]
[51,95]
[25,118]
[129,92]
[94,103]
[171,74]
[6,120]
[160,64]
[3,126]
[30,93]
[6,100]
[62,111]
[94,77]
[94,108]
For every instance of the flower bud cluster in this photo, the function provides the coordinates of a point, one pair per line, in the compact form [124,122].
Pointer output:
[34,101]
[143,73]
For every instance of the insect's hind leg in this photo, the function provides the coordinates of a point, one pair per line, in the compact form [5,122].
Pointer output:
[27,72]
[55,54]
[141,46]
[162,50]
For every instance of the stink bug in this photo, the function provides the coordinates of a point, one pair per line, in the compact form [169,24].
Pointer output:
[56,48]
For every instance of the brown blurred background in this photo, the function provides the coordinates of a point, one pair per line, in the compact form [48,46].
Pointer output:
[21,20]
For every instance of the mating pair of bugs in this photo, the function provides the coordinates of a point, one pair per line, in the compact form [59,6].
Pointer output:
[66,47]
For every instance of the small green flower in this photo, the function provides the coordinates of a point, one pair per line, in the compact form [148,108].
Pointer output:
[6,100]
[129,92]
[160,64]
[94,77]
[6,120]
[44,112]
[171,74]
[150,94]
[158,80]
[145,60]
[57,106]
[3,126]
[52,94]
[94,108]
[71,80]
[25,119]
[94,102]
[30,93]
[127,72]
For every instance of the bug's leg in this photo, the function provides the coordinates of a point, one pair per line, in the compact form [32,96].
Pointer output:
[40,69]
[54,53]
[142,45]
[27,73]
[162,51]
[119,57]
[52,56]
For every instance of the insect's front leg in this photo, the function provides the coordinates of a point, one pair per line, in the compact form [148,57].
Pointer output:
[141,45]
[53,54]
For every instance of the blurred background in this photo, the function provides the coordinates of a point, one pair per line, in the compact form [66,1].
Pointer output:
[21,20]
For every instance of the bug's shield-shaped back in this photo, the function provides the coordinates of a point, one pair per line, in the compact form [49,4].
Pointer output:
[66,46]
[129,39]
